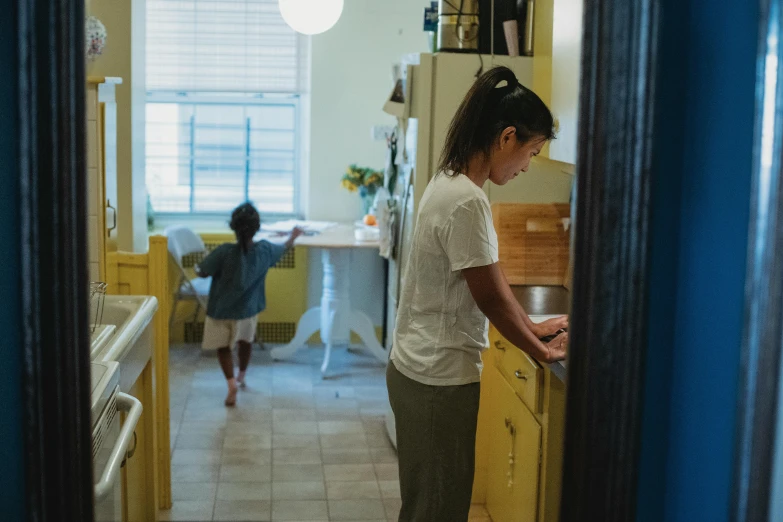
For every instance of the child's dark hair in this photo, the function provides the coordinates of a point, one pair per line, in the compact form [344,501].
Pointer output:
[245,222]
[486,111]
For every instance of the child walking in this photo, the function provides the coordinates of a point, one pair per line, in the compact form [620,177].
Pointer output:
[237,293]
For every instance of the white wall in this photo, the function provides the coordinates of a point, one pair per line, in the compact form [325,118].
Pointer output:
[350,80]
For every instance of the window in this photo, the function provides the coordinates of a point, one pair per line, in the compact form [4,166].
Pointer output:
[224,80]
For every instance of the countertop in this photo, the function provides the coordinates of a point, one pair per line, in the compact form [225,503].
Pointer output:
[542,303]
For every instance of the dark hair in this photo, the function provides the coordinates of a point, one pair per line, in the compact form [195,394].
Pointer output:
[245,222]
[486,111]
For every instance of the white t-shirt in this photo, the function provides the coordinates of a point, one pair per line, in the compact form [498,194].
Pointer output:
[440,330]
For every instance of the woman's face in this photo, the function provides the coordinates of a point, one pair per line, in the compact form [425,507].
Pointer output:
[511,156]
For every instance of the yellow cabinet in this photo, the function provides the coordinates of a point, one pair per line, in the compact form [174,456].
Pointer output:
[139,474]
[514,464]
[519,441]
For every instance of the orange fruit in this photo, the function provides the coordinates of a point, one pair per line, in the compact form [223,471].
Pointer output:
[370,220]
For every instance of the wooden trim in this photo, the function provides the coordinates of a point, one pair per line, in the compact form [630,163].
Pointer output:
[608,327]
[760,373]
[53,235]
[159,287]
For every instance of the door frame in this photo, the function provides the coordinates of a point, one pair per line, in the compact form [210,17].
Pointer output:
[757,496]
[612,231]
[52,245]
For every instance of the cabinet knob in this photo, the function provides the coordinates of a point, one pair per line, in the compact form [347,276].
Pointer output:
[499,346]
[519,375]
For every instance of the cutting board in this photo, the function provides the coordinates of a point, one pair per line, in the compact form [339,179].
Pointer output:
[533,243]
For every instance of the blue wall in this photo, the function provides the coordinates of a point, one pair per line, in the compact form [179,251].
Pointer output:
[11,450]
[700,229]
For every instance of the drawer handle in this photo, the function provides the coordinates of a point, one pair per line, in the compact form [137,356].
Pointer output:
[499,346]
[519,375]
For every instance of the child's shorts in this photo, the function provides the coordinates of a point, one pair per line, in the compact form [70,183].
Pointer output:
[225,333]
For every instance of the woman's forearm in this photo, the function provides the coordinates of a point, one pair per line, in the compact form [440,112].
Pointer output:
[513,323]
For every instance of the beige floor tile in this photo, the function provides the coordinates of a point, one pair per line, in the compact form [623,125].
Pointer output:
[383,455]
[205,414]
[353,490]
[202,428]
[380,440]
[195,473]
[340,427]
[298,473]
[389,488]
[346,456]
[251,442]
[193,490]
[296,415]
[299,510]
[295,428]
[243,510]
[255,456]
[387,471]
[244,491]
[284,402]
[245,473]
[392,506]
[297,456]
[349,472]
[195,456]
[200,441]
[356,509]
[349,441]
[280,441]
[260,427]
[189,511]
[299,490]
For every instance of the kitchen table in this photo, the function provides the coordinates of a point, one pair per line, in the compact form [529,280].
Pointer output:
[335,318]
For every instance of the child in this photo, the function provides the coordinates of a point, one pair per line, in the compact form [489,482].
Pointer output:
[237,295]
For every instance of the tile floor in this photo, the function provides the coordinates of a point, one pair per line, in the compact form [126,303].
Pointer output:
[295,448]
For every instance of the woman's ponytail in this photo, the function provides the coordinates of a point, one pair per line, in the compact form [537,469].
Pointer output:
[495,102]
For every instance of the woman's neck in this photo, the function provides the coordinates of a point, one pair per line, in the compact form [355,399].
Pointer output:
[478,170]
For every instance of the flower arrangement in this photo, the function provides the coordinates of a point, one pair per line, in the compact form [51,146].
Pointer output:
[95,37]
[363,180]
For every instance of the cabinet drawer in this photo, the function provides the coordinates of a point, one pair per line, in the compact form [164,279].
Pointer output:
[521,371]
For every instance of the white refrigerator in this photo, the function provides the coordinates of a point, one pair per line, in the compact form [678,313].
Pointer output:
[434,85]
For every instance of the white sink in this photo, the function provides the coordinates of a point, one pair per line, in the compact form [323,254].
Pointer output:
[101,334]
[131,344]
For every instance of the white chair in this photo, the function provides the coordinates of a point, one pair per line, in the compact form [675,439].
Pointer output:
[183,242]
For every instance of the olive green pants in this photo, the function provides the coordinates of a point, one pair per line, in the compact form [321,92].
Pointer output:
[436,447]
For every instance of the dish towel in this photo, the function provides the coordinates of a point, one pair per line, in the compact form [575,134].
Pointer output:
[386,222]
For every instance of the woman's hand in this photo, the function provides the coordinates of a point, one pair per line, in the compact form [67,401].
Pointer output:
[557,348]
[551,326]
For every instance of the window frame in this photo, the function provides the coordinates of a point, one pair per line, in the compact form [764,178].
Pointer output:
[242,99]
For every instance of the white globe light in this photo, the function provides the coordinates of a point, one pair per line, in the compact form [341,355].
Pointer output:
[311,16]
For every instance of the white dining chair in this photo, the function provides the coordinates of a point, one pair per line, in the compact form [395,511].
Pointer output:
[184,242]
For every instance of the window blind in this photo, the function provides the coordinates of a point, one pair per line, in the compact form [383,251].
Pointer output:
[222,46]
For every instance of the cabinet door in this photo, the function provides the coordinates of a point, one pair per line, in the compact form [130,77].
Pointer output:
[514,465]
[566,59]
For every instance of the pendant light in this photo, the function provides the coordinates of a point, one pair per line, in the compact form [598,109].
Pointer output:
[311,16]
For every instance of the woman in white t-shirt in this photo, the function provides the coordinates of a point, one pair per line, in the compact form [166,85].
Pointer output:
[453,284]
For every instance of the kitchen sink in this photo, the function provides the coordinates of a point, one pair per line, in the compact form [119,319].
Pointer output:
[132,341]
[543,300]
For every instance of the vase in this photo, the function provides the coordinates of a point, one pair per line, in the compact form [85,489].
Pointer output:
[367,202]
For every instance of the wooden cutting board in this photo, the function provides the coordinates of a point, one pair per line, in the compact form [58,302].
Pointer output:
[533,243]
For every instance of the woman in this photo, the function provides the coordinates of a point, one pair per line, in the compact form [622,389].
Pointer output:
[453,284]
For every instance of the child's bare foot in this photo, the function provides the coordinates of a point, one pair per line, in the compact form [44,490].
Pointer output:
[241,380]
[231,398]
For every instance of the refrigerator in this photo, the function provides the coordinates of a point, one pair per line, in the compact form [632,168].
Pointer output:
[434,85]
